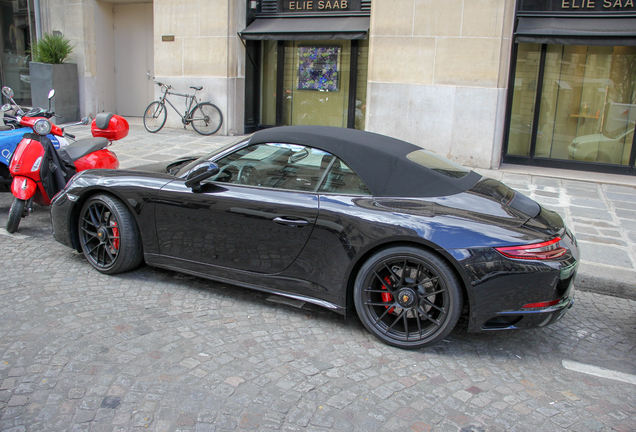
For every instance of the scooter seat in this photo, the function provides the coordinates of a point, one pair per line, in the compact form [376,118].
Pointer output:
[84,146]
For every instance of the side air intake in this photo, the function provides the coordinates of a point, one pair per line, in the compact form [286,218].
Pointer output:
[525,205]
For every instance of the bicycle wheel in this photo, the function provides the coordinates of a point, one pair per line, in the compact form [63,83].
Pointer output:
[206,118]
[155,117]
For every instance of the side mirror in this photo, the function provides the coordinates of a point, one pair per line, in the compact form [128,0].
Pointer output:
[51,94]
[7,92]
[201,172]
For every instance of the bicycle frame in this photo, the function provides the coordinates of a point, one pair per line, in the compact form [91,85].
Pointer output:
[191,98]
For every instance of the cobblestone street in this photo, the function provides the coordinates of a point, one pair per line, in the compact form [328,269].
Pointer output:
[156,350]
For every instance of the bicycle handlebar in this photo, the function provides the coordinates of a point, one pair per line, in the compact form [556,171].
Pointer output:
[160,84]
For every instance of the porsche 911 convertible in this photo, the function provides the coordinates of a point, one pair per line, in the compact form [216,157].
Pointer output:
[345,219]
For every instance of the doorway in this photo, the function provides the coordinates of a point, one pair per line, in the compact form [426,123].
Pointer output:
[320,82]
[134,58]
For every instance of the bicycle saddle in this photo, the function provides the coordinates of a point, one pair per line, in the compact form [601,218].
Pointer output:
[196,88]
[84,146]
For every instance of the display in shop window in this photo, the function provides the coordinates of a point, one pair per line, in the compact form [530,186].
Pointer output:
[318,68]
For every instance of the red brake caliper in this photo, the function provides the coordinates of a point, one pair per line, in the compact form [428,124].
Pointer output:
[115,234]
[387,297]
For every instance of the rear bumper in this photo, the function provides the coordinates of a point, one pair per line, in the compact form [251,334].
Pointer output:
[529,318]
[500,300]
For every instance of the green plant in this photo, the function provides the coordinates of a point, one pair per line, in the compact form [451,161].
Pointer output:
[52,48]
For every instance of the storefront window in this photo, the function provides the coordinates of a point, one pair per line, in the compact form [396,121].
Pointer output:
[588,103]
[16,22]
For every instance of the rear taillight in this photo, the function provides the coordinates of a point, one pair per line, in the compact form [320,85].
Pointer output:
[537,251]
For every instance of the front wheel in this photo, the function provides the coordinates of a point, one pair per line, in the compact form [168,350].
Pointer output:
[206,118]
[155,117]
[15,214]
[408,297]
[109,236]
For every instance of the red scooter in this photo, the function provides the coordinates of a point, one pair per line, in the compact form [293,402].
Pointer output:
[40,171]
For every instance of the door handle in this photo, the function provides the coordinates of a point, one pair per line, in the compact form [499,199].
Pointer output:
[296,223]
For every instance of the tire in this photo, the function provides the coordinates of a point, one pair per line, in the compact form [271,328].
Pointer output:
[412,309]
[155,117]
[109,236]
[206,118]
[15,215]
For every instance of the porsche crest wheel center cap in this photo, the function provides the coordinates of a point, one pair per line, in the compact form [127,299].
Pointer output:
[102,234]
[406,298]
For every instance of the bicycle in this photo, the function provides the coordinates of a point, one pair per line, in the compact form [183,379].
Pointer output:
[205,117]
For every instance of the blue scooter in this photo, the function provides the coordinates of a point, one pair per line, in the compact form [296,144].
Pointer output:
[11,133]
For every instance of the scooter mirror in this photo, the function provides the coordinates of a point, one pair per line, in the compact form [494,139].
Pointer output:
[7,92]
[6,107]
[51,93]
[85,120]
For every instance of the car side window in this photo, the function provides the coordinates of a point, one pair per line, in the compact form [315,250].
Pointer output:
[274,165]
[343,180]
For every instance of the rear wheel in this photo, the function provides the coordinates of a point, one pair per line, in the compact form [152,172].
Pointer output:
[155,117]
[109,235]
[15,214]
[408,297]
[206,118]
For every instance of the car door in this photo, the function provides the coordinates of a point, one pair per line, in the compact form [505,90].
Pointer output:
[255,215]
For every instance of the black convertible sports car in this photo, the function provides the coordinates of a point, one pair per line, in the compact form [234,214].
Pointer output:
[340,218]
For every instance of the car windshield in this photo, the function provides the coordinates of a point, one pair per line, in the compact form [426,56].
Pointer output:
[239,142]
[437,163]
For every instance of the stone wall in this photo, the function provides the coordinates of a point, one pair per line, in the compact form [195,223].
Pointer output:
[76,20]
[206,51]
[438,73]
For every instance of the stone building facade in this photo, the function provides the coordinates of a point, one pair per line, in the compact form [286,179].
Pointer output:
[463,78]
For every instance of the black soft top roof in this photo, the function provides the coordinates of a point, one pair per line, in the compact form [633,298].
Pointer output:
[380,161]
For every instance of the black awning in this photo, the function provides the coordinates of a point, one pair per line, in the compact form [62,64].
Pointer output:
[577,31]
[307,28]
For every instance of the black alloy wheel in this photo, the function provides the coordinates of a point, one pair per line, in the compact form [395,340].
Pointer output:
[109,235]
[408,297]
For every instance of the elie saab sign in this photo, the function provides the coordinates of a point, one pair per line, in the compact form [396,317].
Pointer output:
[320,6]
[577,5]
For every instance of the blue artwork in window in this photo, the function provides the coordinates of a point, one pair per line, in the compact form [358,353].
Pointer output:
[318,68]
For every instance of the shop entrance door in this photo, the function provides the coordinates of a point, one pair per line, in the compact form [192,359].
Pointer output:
[316,83]
[319,83]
